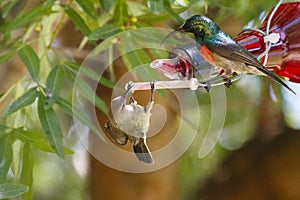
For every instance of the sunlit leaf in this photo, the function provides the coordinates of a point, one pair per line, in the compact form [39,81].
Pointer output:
[26,99]
[27,136]
[88,7]
[9,6]
[54,84]
[156,6]
[5,157]
[67,107]
[51,127]
[28,161]
[37,140]
[171,12]
[3,127]
[25,18]
[11,190]
[104,32]
[121,12]
[91,74]
[88,93]
[77,20]
[31,61]
[106,4]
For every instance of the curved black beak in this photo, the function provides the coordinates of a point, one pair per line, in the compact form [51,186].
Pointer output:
[180,29]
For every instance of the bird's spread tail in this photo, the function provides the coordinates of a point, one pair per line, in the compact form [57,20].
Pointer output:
[142,152]
[274,77]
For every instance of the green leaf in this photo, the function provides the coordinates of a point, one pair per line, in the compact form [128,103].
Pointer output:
[51,127]
[3,127]
[9,6]
[106,4]
[88,7]
[39,141]
[91,74]
[5,157]
[27,169]
[31,61]
[77,20]
[6,57]
[11,190]
[121,13]
[54,84]
[88,93]
[25,18]
[67,107]
[104,32]
[156,6]
[26,99]
[168,8]
[27,136]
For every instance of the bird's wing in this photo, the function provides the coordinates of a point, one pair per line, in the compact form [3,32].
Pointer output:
[115,133]
[236,52]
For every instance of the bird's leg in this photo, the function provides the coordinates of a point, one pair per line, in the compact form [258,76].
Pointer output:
[227,76]
[208,86]
[150,104]
[152,84]
[132,99]
[128,92]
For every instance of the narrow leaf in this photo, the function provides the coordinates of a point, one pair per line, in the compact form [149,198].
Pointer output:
[25,18]
[5,157]
[11,190]
[67,107]
[121,13]
[27,136]
[104,32]
[27,169]
[91,74]
[88,93]
[9,6]
[39,141]
[77,20]
[3,127]
[31,61]
[51,127]
[156,6]
[54,85]
[26,99]
[106,4]
[88,7]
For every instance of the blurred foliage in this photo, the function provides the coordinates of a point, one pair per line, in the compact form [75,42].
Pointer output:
[30,131]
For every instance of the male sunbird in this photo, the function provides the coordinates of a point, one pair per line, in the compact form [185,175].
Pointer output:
[218,49]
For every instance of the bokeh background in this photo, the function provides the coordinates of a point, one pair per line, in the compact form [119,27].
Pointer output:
[256,157]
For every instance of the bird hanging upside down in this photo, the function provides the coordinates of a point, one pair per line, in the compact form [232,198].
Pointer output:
[218,49]
[131,122]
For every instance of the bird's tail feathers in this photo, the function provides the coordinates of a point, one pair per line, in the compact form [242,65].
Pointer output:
[142,152]
[274,77]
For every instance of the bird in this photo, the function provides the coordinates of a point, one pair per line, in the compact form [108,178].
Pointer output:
[131,122]
[220,50]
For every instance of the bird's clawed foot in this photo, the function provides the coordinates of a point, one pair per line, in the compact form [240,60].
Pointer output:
[228,82]
[208,86]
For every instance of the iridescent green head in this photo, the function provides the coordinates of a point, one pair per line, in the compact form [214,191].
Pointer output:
[199,25]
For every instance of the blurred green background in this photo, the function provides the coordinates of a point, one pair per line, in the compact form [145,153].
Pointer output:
[257,154]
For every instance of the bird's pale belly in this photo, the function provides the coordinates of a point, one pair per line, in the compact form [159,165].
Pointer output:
[232,66]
